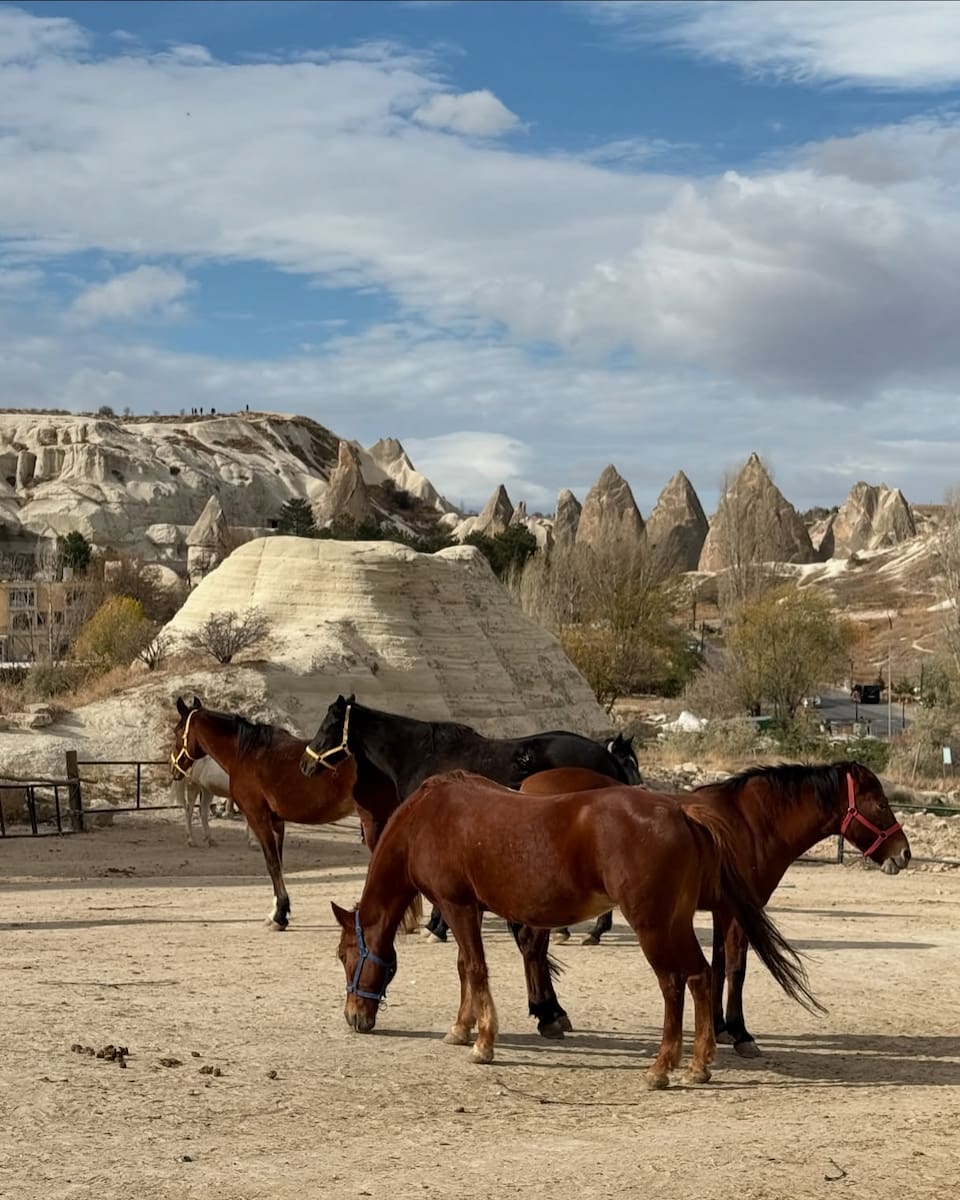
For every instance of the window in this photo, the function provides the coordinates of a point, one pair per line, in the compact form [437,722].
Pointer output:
[20,620]
[23,598]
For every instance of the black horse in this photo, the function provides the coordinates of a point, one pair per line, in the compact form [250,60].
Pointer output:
[395,754]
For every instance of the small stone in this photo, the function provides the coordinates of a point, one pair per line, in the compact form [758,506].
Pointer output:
[184,1158]
[170,1062]
[459,1109]
[271,1074]
[194,1053]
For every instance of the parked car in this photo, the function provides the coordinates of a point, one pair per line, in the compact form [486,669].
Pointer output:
[866,693]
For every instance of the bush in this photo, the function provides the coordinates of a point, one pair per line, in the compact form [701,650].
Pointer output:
[114,635]
[296,519]
[74,551]
[506,552]
[224,634]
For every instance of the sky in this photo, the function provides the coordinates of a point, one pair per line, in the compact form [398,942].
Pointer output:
[526,239]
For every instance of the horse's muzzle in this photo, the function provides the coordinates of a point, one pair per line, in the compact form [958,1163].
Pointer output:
[360,1022]
[308,765]
[896,862]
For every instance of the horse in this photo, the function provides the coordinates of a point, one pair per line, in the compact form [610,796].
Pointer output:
[395,754]
[465,842]
[776,814]
[202,781]
[262,762]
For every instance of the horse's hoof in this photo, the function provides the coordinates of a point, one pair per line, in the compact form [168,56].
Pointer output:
[275,926]
[698,1074]
[591,940]
[565,1024]
[724,1038]
[656,1082]
[432,937]
[560,935]
[481,1054]
[551,1029]
[748,1049]
[456,1037]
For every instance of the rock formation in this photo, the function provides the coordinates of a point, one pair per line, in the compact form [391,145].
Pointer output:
[567,518]
[431,635]
[139,485]
[610,516]
[677,527]
[496,515]
[871,518]
[208,542]
[754,522]
[346,496]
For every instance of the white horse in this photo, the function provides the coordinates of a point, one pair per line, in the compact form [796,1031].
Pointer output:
[204,780]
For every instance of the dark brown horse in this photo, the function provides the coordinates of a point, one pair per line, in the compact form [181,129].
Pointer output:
[467,844]
[266,784]
[395,754]
[775,814]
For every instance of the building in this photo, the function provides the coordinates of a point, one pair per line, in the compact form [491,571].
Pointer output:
[34,618]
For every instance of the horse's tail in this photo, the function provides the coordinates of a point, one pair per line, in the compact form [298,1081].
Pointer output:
[737,895]
[410,922]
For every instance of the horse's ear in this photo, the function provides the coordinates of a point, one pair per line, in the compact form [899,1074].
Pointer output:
[197,702]
[352,698]
[344,918]
[181,707]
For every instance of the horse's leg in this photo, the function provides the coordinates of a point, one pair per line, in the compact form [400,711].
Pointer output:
[459,1033]
[698,974]
[561,934]
[436,927]
[465,921]
[736,954]
[205,798]
[657,946]
[186,794]
[721,923]
[259,818]
[603,924]
[533,944]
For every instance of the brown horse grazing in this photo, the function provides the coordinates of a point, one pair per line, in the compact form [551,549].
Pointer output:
[775,814]
[467,844]
[263,763]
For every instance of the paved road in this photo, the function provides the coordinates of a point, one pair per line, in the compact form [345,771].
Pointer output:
[837,706]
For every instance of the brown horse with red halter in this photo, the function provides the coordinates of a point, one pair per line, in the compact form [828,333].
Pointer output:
[263,764]
[467,843]
[775,815]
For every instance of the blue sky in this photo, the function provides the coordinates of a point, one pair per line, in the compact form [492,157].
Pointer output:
[527,239]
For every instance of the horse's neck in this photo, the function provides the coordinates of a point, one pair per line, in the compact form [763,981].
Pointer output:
[219,743]
[780,831]
[387,893]
[377,730]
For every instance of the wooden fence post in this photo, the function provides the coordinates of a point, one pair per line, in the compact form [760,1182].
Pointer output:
[76,795]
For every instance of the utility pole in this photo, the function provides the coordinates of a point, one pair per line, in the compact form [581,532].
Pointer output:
[890,681]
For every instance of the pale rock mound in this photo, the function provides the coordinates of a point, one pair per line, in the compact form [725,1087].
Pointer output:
[610,516]
[431,635]
[871,518]
[496,514]
[754,522]
[387,459]
[677,527]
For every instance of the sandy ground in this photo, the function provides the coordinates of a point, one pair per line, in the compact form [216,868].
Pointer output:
[126,936]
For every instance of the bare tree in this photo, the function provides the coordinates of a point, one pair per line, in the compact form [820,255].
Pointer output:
[153,654]
[948,557]
[225,634]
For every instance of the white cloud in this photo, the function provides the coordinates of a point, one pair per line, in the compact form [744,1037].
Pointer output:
[144,291]
[467,466]
[24,38]
[478,114]
[879,43]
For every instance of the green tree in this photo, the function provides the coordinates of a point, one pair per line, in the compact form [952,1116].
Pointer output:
[784,645]
[74,551]
[296,518]
[114,635]
[507,552]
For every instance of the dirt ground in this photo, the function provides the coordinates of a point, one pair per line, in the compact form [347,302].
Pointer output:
[126,936]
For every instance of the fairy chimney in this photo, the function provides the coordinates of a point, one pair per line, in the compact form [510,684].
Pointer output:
[677,527]
[610,515]
[208,542]
[755,522]
[496,515]
[871,518]
[567,518]
[346,495]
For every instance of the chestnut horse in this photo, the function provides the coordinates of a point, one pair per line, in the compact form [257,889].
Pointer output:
[775,814]
[467,844]
[263,764]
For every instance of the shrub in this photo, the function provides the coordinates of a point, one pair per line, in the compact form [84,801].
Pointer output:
[224,634]
[114,635]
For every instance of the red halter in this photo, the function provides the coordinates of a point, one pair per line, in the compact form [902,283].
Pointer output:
[854,814]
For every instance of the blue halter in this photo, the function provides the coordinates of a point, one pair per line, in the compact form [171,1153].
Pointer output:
[353,988]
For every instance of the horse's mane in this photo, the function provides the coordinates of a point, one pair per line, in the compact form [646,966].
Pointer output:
[436,727]
[250,735]
[788,780]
